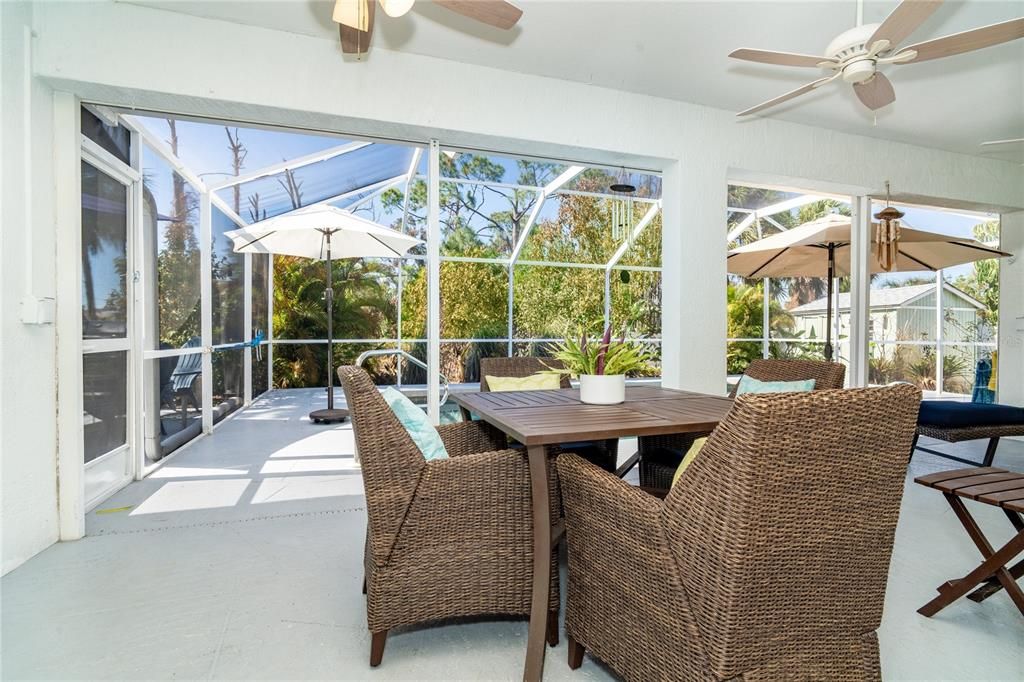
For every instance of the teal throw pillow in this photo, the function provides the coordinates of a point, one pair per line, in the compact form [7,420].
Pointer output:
[417,424]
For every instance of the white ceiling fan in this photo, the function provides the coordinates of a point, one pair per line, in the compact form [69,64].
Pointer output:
[355,17]
[855,55]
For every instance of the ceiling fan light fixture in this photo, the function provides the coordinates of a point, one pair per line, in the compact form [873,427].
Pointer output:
[396,8]
[859,71]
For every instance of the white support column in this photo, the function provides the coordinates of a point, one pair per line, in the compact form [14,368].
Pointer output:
[940,334]
[68,322]
[206,305]
[694,276]
[434,282]
[247,326]
[860,291]
[1010,381]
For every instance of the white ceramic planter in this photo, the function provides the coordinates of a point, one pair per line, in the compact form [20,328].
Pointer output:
[602,389]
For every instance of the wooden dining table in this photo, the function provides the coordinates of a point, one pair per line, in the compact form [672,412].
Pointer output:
[538,419]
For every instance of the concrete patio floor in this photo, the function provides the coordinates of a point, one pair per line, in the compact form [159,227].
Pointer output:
[241,559]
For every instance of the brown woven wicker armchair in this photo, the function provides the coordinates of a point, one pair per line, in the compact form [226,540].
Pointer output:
[445,538]
[826,375]
[603,453]
[768,560]
[660,455]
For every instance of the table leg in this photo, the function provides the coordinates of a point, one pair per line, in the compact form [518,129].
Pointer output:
[466,416]
[537,638]
[994,564]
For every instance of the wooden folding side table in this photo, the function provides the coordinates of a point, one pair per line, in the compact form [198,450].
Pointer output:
[999,488]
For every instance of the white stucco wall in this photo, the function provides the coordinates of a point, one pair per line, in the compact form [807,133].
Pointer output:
[128,55]
[28,440]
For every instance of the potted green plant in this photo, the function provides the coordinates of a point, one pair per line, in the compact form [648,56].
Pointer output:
[601,365]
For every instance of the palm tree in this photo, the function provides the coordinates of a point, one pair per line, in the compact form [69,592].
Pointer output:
[364,308]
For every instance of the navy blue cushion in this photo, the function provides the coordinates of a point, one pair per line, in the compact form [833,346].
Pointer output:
[955,414]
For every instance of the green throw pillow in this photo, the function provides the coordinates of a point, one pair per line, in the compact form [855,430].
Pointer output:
[691,454]
[752,385]
[535,382]
[417,424]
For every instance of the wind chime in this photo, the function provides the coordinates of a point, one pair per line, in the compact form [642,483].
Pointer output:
[887,233]
[622,208]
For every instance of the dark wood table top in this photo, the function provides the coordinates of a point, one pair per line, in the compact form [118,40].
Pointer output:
[551,417]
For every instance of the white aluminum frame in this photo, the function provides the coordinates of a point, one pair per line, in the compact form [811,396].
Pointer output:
[859,340]
[209,198]
[289,165]
[122,461]
[780,207]
[433,280]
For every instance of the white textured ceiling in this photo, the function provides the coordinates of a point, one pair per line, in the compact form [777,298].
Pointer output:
[678,50]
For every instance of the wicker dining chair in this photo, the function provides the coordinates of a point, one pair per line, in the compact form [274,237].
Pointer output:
[445,538]
[768,560]
[826,375]
[603,453]
[660,455]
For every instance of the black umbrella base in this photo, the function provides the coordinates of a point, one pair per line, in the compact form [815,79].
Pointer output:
[330,416]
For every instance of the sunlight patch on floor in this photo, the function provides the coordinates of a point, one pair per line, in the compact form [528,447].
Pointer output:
[170,471]
[177,496]
[309,465]
[290,488]
[339,441]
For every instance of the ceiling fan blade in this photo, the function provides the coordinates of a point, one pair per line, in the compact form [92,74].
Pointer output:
[992,143]
[780,58]
[903,21]
[968,41]
[351,13]
[875,93]
[497,13]
[803,89]
[354,41]
[396,8]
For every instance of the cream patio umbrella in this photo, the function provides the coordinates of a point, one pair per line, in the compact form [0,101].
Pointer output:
[323,233]
[821,248]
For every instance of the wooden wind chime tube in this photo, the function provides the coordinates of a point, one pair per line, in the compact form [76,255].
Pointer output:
[887,234]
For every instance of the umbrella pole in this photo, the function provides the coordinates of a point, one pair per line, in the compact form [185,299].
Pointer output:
[330,414]
[828,306]
[330,327]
